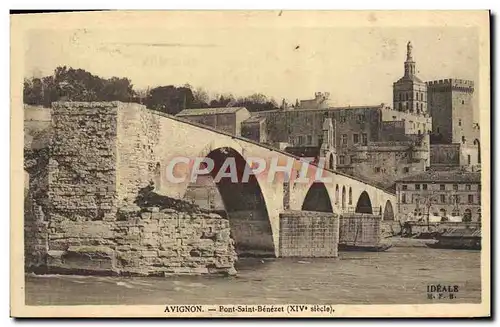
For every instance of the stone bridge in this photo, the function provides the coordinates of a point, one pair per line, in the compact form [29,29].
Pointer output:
[125,147]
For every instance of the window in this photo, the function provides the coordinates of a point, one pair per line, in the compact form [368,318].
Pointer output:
[456,198]
[403,198]
[352,158]
[404,187]
[342,160]
[460,122]
[400,107]
[468,159]
[417,186]
[463,139]
[471,198]
[355,138]
[364,137]
[406,170]
[320,140]
[343,139]
[400,97]
[377,170]
[455,187]
[463,102]
[467,187]
[361,117]
[424,186]
[309,139]
[455,213]
[442,198]
[442,187]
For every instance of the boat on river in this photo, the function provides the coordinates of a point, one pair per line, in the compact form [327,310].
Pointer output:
[458,238]
[365,248]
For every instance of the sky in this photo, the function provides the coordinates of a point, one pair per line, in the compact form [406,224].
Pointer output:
[357,66]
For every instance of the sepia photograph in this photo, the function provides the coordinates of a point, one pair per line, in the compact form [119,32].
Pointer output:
[250,164]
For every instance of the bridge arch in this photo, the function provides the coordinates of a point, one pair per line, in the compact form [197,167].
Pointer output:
[388,211]
[244,205]
[364,204]
[317,198]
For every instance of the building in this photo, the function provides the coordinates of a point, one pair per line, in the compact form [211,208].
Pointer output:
[320,101]
[227,119]
[454,133]
[410,92]
[430,125]
[445,194]
[374,143]
[254,128]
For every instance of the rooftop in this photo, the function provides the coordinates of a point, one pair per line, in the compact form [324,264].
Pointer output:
[368,107]
[254,119]
[209,111]
[412,78]
[454,176]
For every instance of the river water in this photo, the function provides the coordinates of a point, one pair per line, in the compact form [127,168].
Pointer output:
[399,276]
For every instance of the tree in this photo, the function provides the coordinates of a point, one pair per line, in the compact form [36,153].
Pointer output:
[33,91]
[201,98]
[170,99]
[256,102]
[222,101]
[68,84]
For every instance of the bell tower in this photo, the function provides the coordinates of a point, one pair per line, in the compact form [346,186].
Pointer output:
[410,92]
[409,63]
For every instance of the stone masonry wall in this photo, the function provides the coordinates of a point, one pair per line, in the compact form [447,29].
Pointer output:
[137,141]
[148,242]
[82,225]
[360,230]
[309,234]
[156,240]
[82,172]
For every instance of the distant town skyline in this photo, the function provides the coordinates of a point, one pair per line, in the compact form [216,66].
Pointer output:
[357,66]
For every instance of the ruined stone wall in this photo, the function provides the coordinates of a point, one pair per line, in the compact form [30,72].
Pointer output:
[309,234]
[136,145]
[148,242]
[81,221]
[82,172]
